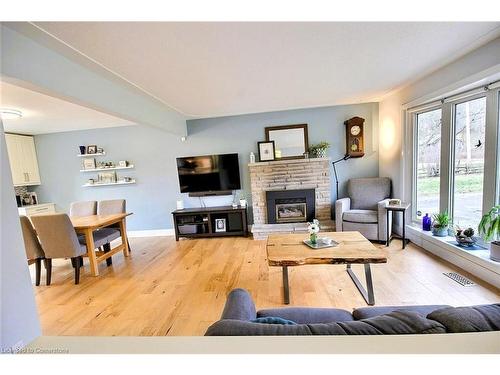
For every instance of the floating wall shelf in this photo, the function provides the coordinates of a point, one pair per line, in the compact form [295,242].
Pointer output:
[91,155]
[107,169]
[110,183]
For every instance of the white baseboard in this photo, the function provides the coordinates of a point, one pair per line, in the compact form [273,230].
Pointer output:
[151,233]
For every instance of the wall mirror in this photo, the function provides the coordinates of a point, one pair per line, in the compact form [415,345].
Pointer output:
[290,141]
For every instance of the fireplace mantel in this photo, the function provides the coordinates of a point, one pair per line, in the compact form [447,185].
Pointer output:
[290,174]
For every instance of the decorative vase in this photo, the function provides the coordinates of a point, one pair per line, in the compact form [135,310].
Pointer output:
[243,203]
[426,223]
[313,237]
[83,150]
[440,232]
[495,251]
[252,158]
[321,153]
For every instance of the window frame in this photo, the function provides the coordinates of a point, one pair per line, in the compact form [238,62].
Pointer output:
[491,181]
[414,118]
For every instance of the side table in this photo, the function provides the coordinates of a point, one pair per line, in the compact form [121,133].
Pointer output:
[402,207]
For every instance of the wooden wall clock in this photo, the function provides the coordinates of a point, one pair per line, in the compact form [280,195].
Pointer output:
[354,137]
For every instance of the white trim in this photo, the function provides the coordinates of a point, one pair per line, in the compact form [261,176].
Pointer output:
[486,77]
[478,265]
[151,233]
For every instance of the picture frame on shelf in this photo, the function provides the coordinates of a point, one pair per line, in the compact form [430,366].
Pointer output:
[92,149]
[123,163]
[89,163]
[106,177]
[34,197]
[220,225]
[266,151]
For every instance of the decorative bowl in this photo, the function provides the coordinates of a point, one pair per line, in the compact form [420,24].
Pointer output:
[465,241]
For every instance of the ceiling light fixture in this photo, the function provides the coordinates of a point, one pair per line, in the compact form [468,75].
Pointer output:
[10,114]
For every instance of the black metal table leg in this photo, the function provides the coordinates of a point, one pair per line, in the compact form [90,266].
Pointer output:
[367,293]
[286,290]
[387,229]
[404,225]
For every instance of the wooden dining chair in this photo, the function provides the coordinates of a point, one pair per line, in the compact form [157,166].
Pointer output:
[59,240]
[34,251]
[110,207]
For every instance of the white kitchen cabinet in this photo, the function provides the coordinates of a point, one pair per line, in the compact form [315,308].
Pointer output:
[37,209]
[23,160]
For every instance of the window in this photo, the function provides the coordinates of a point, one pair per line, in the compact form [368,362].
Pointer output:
[428,155]
[456,163]
[468,172]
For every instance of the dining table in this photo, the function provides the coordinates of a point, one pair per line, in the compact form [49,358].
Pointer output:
[86,225]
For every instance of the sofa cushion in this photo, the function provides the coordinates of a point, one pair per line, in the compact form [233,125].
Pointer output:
[230,327]
[360,216]
[304,315]
[398,322]
[469,319]
[370,312]
[272,320]
[394,323]
[239,306]
[365,193]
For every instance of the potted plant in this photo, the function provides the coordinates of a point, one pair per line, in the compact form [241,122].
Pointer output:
[440,224]
[489,227]
[319,150]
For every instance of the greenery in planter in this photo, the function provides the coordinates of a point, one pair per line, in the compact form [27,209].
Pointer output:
[441,220]
[489,226]
[319,150]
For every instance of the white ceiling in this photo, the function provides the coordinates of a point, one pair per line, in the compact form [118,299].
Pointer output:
[216,69]
[46,114]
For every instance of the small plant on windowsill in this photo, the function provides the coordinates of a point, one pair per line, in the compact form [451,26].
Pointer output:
[313,229]
[440,224]
[319,150]
[489,228]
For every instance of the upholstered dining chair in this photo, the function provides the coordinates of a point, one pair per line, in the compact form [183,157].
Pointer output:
[59,240]
[364,208]
[110,207]
[34,251]
[83,208]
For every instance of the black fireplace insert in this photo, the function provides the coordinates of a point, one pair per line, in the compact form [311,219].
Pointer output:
[290,206]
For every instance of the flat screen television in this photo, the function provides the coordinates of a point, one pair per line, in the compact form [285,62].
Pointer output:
[209,174]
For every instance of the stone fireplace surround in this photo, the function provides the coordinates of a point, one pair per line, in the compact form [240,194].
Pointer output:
[287,175]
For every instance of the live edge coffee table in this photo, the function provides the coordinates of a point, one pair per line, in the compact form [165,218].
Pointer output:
[288,250]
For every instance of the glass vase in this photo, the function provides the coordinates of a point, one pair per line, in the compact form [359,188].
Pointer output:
[313,237]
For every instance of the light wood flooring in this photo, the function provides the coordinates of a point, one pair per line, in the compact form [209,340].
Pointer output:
[179,288]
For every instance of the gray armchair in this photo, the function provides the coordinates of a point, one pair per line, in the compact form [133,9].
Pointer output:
[364,209]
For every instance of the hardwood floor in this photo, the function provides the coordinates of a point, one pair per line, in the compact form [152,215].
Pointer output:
[179,288]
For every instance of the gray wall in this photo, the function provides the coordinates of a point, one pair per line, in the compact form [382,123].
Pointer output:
[19,323]
[153,152]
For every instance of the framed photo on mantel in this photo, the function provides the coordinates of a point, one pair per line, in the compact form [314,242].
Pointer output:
[290,141]
[266,151]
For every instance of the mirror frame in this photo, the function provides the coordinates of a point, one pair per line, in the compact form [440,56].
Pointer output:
[285,128]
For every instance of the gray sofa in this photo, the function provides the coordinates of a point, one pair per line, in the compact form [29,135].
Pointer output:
[364,209]
[239,319]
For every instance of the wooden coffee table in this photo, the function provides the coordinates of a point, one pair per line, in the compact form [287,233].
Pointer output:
[287,250]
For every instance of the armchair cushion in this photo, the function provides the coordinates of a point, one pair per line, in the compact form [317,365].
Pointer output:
[361,216]
[365,193]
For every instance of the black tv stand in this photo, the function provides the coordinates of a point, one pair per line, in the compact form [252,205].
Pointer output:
[202,222]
